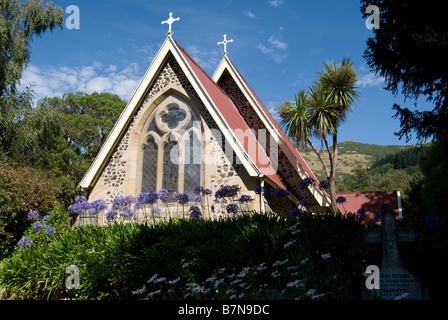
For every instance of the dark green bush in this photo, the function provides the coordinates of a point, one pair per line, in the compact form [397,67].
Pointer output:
[251,256]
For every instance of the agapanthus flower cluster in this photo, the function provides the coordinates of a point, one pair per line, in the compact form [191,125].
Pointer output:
[361,212]
[79,207]
[39,225]
[306,202]
[323,184]
[305,182]
[25,242]
[123,206]
[33,215]
[145,198]
[245,198]
[232,208]
[296,212]
[182,198]
[281,193]
[50,230]
[195,213]
[97,206]
[341,199]
[164,195]
[227,191]
[267,191]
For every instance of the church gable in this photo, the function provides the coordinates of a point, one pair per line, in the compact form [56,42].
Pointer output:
[227,77]
[141,155]
[181,129]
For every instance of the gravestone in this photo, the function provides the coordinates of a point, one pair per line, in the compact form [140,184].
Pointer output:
[396,283]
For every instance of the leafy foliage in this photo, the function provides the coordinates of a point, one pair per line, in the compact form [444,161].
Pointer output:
[253,255]
[410,50]
[20,22]
[319,113]
[23,189]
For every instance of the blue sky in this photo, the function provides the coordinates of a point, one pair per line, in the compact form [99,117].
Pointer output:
[278,46]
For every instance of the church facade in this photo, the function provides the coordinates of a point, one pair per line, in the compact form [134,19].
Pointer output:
[182,129]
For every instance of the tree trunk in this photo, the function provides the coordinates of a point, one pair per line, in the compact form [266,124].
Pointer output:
[332,179]
[332,183]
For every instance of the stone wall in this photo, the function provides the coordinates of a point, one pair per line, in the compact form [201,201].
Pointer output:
[116,174]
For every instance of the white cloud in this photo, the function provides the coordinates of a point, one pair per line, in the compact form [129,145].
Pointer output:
[206,58]
[250,14]
[51,81]
[277,43]
[264,49]
[370,80]
[275,48]
[275,3]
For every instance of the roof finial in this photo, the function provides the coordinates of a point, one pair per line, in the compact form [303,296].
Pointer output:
[225,44]
[170,22]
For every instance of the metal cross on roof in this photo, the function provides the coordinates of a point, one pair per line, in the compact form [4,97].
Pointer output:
[170,22]
[225,43]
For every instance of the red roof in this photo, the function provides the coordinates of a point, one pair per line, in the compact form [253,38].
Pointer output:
[235,120]
[369,201]
[283,136]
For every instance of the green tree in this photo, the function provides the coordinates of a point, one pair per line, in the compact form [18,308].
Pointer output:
[20,21]
[319,113]
[410,50]
[64,134]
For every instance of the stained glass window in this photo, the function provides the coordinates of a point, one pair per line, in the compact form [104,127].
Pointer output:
[172,116]
[192,171]
[149,169]
[170,166]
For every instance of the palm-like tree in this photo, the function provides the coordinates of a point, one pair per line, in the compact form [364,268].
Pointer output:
[321,111]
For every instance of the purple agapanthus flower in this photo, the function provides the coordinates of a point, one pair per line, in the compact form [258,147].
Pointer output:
[39,225]
[79,207]
[361,212]
[377,216]
[46,218]
[306,202]
[296,212]
[198,190]
[195,213]
[123,206]
[50,230]
[33,215]
[305,182]
[97,206]
[245,198]
[280,193]
[25,242]
[232,208]
[341,199]
[206,191]
[111,215]
[80,199]
[227,191]
[164,195]
[184,198]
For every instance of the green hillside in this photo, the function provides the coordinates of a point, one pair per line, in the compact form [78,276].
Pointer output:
[363,167]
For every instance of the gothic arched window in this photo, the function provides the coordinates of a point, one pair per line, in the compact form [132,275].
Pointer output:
[171,150]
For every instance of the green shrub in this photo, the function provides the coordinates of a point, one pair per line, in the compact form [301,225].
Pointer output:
[249,257]
[22,190]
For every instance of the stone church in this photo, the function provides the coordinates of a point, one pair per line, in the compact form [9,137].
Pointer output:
[182,128]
